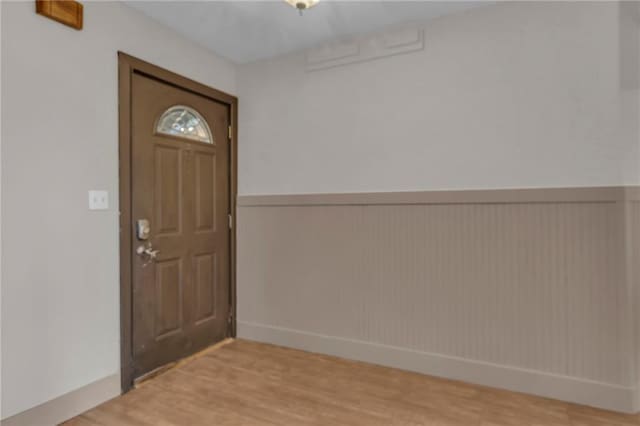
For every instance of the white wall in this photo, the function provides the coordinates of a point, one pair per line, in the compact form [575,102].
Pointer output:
[513,95]
[521,94]
[629,52]
[60,298]
[0,216]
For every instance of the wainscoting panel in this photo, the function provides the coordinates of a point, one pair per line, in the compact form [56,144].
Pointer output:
[633,244]
[537,286]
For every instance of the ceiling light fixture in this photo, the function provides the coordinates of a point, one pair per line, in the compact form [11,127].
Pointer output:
[302,5]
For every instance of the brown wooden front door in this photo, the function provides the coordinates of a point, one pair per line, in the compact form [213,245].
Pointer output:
[180,198]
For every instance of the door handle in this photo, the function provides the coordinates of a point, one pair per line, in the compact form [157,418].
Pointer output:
[147,253]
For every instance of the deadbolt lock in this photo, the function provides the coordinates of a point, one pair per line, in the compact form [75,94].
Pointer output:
[143,229]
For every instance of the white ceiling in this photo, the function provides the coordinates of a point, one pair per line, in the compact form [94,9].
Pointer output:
[245,31]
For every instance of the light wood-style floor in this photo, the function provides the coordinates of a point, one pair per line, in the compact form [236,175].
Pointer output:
[247,383]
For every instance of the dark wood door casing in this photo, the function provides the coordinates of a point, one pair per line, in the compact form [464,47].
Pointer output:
[189,219]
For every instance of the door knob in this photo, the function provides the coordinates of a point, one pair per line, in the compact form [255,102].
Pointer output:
[147,253]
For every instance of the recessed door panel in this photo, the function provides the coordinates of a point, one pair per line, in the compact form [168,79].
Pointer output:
[205,174]
[168,302]
[167,191]
[206,282]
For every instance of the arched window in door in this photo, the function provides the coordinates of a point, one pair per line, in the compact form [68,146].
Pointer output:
[184,122]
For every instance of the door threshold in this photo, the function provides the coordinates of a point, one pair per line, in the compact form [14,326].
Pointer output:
[142,380]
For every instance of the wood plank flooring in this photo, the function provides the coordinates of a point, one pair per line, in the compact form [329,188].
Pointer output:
[248,383]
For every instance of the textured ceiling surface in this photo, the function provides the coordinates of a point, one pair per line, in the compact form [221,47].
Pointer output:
[246,31]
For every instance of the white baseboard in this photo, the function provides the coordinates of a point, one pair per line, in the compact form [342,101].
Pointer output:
[570,389]
[68,405]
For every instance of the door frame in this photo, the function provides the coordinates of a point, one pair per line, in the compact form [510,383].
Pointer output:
[127,66]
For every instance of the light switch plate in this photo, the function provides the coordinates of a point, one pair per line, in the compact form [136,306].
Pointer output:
[98,200]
